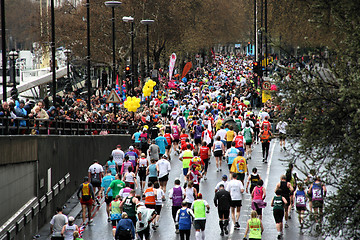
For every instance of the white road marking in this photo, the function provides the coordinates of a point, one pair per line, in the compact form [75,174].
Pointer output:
[269,165]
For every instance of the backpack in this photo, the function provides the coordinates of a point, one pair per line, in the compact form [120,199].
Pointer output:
[265,136]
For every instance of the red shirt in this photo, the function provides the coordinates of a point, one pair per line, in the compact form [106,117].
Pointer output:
[239,141]
[183,137]
[168,138]
[184,146]
[204,152]
[265,122]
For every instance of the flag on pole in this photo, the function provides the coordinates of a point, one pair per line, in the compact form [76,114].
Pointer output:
[172,65]
[187,68]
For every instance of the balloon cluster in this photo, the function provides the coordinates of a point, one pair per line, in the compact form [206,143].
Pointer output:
[132,104]
[149,87]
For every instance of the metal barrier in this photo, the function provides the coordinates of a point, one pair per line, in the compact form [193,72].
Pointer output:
[16,126]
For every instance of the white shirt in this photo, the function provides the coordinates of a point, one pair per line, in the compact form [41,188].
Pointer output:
[221,133]
[243,125]
[118,156]
[225,183]
[235,187]
[281,126]
[159,195]
[95,168]
[164,167]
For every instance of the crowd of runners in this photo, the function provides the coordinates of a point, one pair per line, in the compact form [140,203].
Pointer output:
[213,115]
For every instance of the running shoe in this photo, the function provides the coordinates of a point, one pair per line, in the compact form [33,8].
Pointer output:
[237,225]
[222,233]
[205,178]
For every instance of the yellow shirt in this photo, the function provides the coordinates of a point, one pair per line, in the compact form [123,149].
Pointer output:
[230,135]
[239,165]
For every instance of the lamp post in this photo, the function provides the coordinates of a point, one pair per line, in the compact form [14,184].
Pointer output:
[147,22]
[67,53]
[88,52]
[113,5]
[3,48]
[131,20]
[13,55]
[53,51]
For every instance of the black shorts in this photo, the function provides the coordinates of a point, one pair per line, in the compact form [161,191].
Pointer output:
[176,140]
[108,199]
[164,114]
[153,179]
[197,141]
[299,209]
[224,213]
[218,153]
[278,215]
[240,176]
[151,206]
[142,175]
[235,203]
[282,136]
[199,224]
[115,222]
[174,210]
[228,144]
[168,146]
[318,204]
[158,209]
[145,233]
[164,178]
[96,183]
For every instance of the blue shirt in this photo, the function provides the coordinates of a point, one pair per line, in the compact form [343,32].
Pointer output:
[137,137]
[162,143]
[112,167]
[152,170]
[123,225]
[106,183]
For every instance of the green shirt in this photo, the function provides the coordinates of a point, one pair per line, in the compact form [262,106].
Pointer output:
[255,228]
[278,203]
[115,207]
[116,186]
[129,207]
[186,114]
[164,107]
[199,209]
[187,156]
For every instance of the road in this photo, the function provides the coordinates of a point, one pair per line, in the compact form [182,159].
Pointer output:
[269,172]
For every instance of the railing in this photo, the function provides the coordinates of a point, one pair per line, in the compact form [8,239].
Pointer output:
[22,126]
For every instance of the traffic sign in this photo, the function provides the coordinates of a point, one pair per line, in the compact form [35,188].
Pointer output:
[113,97]
[266,85]
[266,95]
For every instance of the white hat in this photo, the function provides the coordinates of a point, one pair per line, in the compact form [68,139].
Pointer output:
[71,219]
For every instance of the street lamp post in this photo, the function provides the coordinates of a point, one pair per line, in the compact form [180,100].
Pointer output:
[113,5]
[3,48]
[67,53]
[88,52]
[53,51]
[131,20]
[13,55]
[147,23]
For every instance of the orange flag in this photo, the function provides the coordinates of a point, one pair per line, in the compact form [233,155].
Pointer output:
[187,68]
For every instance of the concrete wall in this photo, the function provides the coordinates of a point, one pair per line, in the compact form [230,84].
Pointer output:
[32,176]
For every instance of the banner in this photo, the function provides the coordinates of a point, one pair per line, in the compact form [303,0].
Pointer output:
[171,65]
[187,68]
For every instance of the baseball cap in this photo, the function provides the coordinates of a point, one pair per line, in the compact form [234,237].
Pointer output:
[131,148]
[199,195]
[118,146]
[71,219]
[164,156]
[224,176]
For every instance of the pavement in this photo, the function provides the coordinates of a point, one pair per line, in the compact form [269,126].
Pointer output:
[270,173]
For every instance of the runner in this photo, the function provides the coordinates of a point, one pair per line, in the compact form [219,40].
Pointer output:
[199,207]
[115,213]
[190,193]
[194,176]
[151,171]
[265,137]
[162,142]
[281,127]
[169,138]
[163,168]
[205,157]
[231,154]
[197,131]
[130,177]
[224,181]
[236,188]
[254,227]
[108,197]
[184,218]
[96,172]
[222,201]
[186,157]
[116,185]
[219,150]
[133,157]
[318,192]
[125,229]
[129,206]
[230,135]
[56,224]
[239,143]
[154,150]
[176,194]
[258,196]
[159,198]
[145,216]
[253,179]
[118,156]
[69,229]
[111,165]
[300,202]
[86,198]
[239,167]
[142,165]
[124,192]
[248,134]
[278,202]
[286,189]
